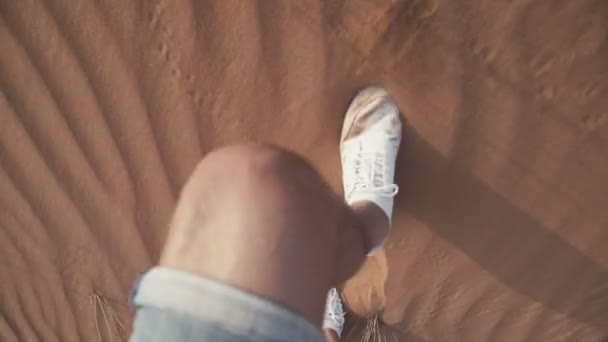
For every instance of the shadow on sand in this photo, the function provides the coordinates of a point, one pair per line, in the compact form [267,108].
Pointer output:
[504,240]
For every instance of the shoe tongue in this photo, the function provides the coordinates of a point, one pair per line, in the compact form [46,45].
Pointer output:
[369,162]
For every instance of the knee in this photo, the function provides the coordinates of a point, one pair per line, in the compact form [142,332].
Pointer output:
[256,160]
[240,166]
[255,181]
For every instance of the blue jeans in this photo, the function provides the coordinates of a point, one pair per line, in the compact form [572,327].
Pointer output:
[174,306]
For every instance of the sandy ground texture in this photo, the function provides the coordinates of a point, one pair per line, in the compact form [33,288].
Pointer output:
[500,230]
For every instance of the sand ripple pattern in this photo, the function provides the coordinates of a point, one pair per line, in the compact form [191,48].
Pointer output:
[500,229]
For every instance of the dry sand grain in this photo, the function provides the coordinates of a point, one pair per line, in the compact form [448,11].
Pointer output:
[501,226]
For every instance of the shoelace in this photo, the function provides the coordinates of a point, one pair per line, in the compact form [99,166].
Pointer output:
[368,173]
[334,312]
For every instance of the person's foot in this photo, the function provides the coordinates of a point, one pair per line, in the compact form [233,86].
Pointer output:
[370,140]
[334,312]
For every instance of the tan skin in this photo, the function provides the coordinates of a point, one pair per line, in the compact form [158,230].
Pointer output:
[375,226]
[252,205]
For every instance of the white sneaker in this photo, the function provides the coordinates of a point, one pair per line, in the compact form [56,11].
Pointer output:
[334,312]
[371,135]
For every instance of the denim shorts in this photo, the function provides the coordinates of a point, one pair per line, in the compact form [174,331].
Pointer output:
[174,306]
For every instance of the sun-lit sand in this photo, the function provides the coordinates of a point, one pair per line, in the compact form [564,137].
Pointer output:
[500,228]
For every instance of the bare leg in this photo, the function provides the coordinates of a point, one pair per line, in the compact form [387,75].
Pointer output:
[370,140]
[373,220]
[263,220]
[375,226]
[330,335]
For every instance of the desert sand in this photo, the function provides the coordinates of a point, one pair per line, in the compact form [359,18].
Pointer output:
[501,226]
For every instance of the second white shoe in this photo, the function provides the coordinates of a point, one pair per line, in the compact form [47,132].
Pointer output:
[334,312]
